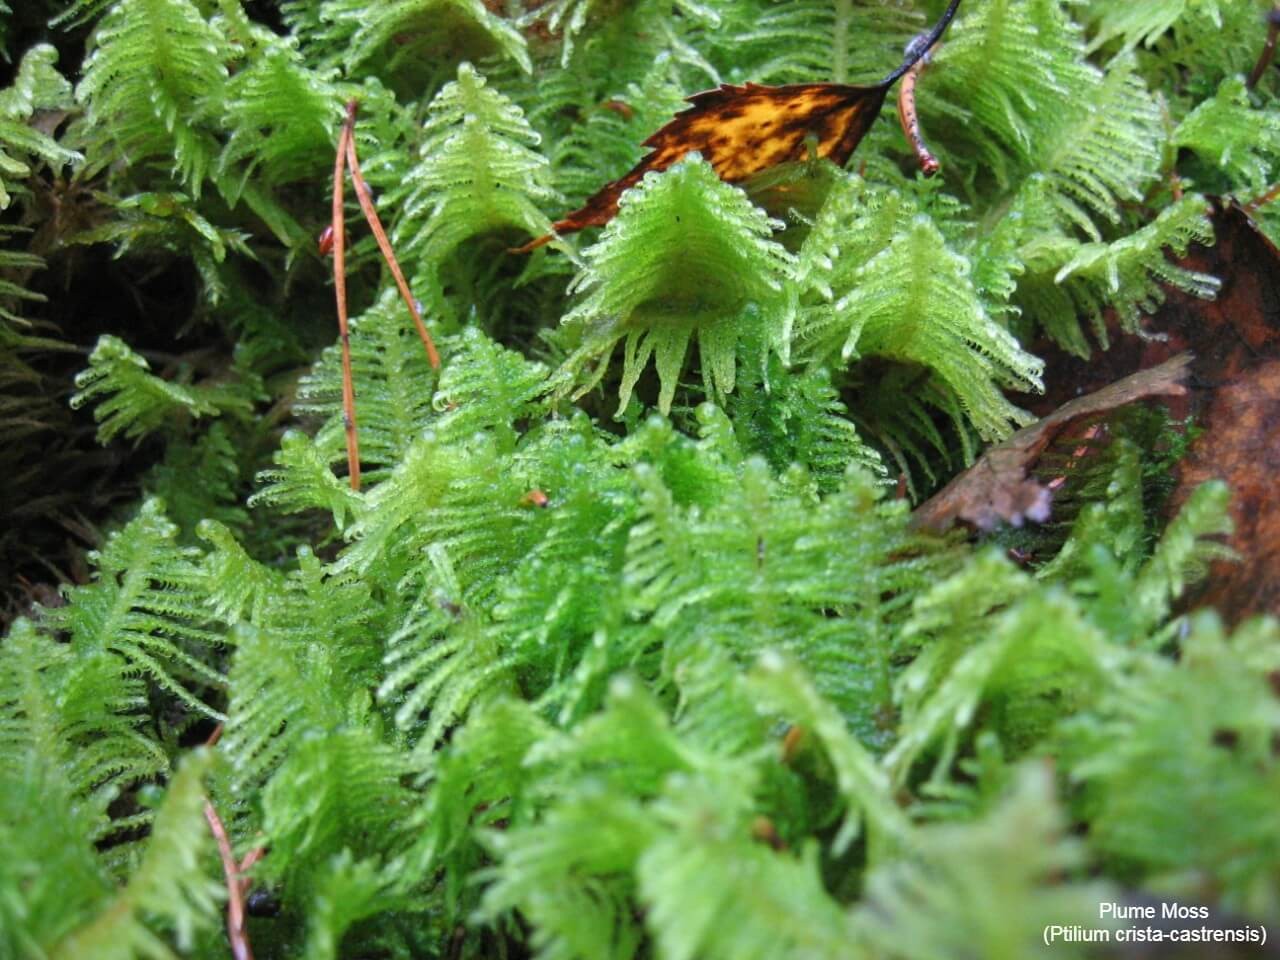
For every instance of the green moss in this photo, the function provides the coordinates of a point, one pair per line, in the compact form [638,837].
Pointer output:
[612,658]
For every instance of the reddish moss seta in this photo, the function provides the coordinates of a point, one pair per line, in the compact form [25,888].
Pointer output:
[339,240]
[333,239]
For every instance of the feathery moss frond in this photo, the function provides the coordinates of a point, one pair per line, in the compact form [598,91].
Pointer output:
[1174,24]
[146,606]
[349,890]
[538,623]
[740,575]
[441,26]
[240,589]
[282,118]
[137,402]
[1107,156]
[169,884]
[1028,656]
[1016,863]
[486,387]
[864,788]
[1115,521]
[1007,75]
[477,780]
[568,18]
[797,417]
[336,789]
[1014,80]
[1065,281]
[814,41]
[170,223]
[914,302]
[37,86]
[584,911]
[213,458]
[394,385]
[1239,139]
[154,63]
[456,496]
[479,171]
[711,890]
[1169,41]
[1184,551]
[302,479]
[296,674]
[687,256]
[73,724]
[1199,802]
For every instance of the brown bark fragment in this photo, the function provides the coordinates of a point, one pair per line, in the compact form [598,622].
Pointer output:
[999,488]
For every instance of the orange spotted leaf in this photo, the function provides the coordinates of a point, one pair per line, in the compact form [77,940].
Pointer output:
[744,130]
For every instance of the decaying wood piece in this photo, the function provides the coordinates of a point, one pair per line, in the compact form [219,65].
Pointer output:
[999,488]
[1233,396]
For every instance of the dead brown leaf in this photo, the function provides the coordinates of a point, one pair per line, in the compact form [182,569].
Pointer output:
[744,130]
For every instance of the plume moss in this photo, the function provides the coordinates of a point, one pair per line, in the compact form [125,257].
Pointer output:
[627,648]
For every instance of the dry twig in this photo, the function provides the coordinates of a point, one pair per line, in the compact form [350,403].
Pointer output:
[384,244]
[334,239]
[339,240]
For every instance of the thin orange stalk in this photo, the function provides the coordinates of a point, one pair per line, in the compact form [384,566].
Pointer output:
[340,291]
[250,858]
[1257,203]
[236,933]
[237,884]
[384,244]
